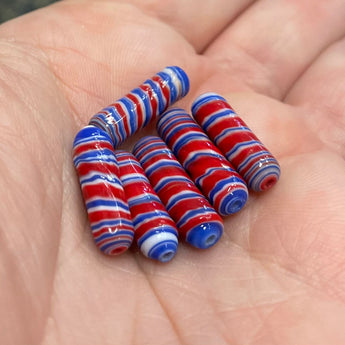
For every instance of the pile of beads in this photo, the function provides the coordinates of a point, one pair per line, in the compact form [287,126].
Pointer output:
[176,186]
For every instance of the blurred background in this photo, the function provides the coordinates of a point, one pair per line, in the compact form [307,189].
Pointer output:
[14,8]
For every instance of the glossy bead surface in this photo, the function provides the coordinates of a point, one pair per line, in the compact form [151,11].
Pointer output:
[197,221]
[209,169]
[138,108]
[232,136]
[104,197]
[155,231]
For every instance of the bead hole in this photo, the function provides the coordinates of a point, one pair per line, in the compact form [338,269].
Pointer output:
[211,239]
[269,183]
[167,256]
[119,250]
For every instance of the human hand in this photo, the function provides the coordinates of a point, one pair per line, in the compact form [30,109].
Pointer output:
[276,276]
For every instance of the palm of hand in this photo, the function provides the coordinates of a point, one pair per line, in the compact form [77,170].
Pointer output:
[277,274]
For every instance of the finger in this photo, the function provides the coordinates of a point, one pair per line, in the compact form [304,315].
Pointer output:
[98,50]
[272,43]
[322,89]
[198,21]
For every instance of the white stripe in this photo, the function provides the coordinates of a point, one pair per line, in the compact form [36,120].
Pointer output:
[175,80]
[150,242]
[107,208]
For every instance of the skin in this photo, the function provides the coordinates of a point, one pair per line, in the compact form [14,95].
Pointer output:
[276,276]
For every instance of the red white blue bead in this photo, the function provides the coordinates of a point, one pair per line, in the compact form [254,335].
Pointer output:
[104,197]
[142,105]
[155,232]
[197,221]
[209,169]
[238,143]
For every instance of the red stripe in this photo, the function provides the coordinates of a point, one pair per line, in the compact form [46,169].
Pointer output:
[211,107]
[96,144]
[156,223]
[112,230]
[157,175]
[124,116]
[97,216]
[102,190]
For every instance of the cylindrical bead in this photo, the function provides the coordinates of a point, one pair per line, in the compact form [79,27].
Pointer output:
[155,232]
[104,197]
[135,110]
[198,223]
[238,143]
[209,169]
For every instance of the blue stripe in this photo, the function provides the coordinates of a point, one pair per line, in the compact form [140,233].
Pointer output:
[173,91]
[192,136]
[90,134]
[227,131]
[183,78]
[157,90]
[166,181]
[132,113]
[172,118]
[159,244]
[204,211]
[252,156]
[206,99]
[147,105]
[224,113]
[103,202]
[239,145]
[181,197]
[148,216]
[158,165]
[222,183]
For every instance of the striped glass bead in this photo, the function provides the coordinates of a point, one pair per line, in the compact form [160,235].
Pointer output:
[142,105]
[238,143]
[97,168]
[155,232]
